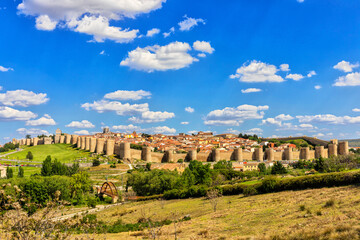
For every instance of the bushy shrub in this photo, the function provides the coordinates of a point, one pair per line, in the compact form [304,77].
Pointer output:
[96,162]
[249,191]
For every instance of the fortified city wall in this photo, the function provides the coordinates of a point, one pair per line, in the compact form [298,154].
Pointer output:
[108,147]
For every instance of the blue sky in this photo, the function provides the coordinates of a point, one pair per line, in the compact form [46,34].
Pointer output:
[274,68]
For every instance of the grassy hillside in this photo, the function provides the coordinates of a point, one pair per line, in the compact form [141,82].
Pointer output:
[327,213]
[62,152]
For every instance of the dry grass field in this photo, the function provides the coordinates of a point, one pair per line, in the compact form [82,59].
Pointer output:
[327,213]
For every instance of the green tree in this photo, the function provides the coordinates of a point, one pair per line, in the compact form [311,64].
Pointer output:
[80,183]
[223,164]
[320,165]
[262,167]
[9,173]
[148,166]
[29,156]
[21,172]
[28,136]
[46,167]
[278,168]
[201,172]
[96,162]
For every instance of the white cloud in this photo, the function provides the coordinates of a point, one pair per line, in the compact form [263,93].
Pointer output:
[102,52]
[233,131]
[99,28]
[301,127]
[130,128]
[201,55]
[284,67]
[319,135]
[329,119]
[10,114]
[152,32]
[356,110]
[203,46]
[127,128]
[188,23]
[193,132]
[88,16]
[300,1]
[257,71]
[167,34]
[346,66]
[160,58]
[317,87]
[43,22]
[4,69]
[277,120]
[32,131]
[118,107]
[161,130]
[230,116]
[284,117]
[82,132]
[295,77]
[251,90]
[184,123]
[189,109]
[253,131]
[22,98]
[82,124]
[46,120]
[311,73]
[271,121]
[223,122]
[128,95]
[351,79]
[152,117]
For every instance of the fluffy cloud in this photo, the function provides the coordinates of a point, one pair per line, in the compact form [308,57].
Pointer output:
[284,117]
[203,46]
[130,128]
[128,95]
[184,123]
[351,79]
[317,87]
[295,77]
[161,130]
[311,73]
[4,69]
[46,120]
[188,23]
[277,120]
[251,90]
[346,66]
[284,67]
[152,32]
[329,119]
[167,34]
[44,23]
[82,124]
[88,16]
[253,131]
[22,98]
[10,114]
[356,110]
[257,71]
[152,117]
[82,132]
[301,127]
[189,109]
[160,58]
[32,131]
[271,121]
[118,107]
[99,28]
[127,128]
[230,116]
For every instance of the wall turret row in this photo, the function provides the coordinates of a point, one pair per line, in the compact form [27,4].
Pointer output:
[108,147]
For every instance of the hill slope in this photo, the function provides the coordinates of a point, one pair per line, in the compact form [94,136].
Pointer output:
[327,213]
[62,152]
[353,142]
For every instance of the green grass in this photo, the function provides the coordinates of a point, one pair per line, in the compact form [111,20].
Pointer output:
[62,152]
[28,171]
